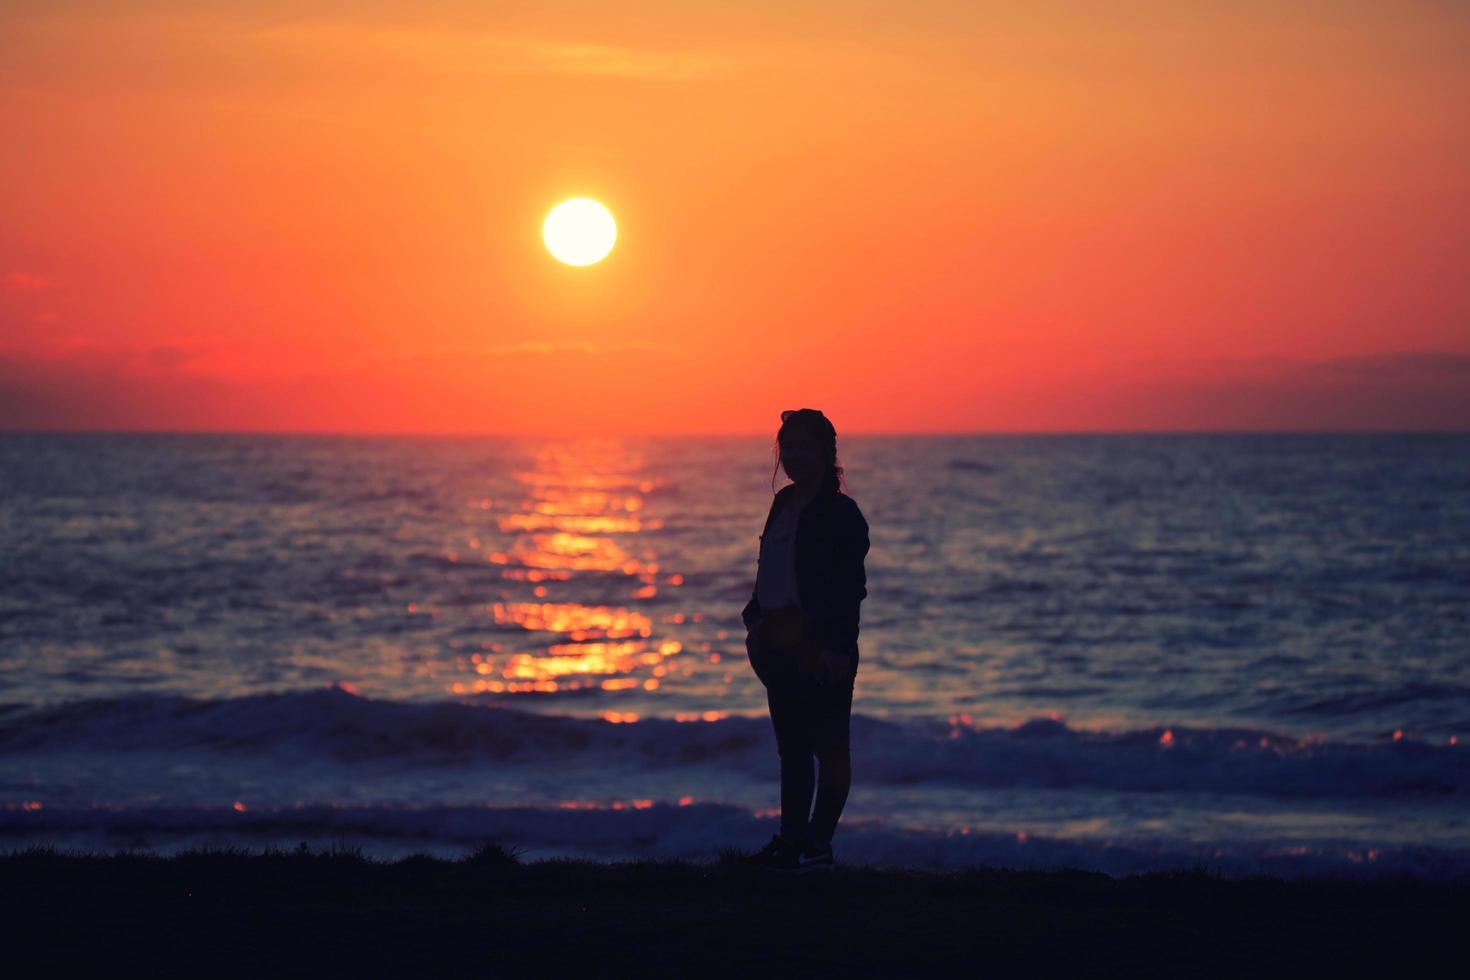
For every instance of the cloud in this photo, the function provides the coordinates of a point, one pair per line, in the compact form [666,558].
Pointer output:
[81,385]
[578,347]
[170,358]
[1392,368]
[525,348]
[1391,390]
[1384,367]
[105,387]
[81,354]
[492,53]
[25,282]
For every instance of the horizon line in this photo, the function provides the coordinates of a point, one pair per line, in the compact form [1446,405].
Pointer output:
[864,433]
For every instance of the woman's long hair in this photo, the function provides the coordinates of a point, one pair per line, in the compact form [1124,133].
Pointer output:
[820,428]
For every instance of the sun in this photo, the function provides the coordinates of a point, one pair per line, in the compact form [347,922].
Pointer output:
[579,231]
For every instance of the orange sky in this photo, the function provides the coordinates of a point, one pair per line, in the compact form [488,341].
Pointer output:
[915,216]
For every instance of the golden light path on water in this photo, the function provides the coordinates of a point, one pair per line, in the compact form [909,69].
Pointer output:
[571,529]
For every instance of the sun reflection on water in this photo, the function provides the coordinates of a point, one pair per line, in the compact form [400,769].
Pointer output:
[575,534]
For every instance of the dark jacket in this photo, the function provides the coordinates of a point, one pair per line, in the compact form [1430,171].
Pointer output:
[831,542]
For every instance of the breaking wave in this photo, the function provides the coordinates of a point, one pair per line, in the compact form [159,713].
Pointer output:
[1041,753]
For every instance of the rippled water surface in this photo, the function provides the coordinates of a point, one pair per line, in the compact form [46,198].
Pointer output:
[1145,642]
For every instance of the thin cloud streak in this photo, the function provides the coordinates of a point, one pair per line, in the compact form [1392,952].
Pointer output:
[154,388]
[520,349]
[488,53]
[18,281]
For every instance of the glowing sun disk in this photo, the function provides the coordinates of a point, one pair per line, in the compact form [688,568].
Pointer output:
[579,231]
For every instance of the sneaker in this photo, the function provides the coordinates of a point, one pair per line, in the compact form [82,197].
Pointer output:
[779,855]
[815,857]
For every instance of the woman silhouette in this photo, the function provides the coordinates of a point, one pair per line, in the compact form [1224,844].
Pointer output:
[802,629]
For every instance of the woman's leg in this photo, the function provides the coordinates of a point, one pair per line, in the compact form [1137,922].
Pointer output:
[794,744]
[833,724]
[832,786]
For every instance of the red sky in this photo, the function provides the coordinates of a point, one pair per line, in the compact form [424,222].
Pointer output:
[915,216]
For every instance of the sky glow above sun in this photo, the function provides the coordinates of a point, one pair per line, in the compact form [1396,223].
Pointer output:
[1017,216]
[579,231]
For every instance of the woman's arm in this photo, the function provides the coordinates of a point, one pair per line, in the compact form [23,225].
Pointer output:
[752,610]
[849,582]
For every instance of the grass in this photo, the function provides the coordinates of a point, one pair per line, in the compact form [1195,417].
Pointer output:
[337,912]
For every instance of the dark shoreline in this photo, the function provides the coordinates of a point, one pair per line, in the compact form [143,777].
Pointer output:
[330,913]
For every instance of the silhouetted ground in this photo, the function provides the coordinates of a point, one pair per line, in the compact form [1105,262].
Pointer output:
[336,913]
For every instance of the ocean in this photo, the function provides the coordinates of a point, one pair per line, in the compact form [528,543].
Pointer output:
[1249,652]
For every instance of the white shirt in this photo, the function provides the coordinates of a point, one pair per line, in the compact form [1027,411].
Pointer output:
[775,577]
